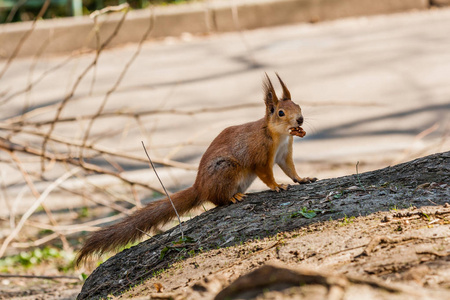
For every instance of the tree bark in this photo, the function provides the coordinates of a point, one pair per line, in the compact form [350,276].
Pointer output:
[267,213]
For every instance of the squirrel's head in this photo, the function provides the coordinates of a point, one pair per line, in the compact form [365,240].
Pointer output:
[281,114]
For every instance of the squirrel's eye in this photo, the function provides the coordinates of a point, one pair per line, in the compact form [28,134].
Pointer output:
[281,113]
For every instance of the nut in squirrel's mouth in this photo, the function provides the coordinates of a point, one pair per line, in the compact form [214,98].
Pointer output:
[297,131]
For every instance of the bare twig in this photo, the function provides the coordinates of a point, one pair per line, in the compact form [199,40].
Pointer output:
[119,80]
[108,193]
[77,82]
[4,196]
[189,141]
[103,202]
[36,194]
[7,145]
[237,25]
[40,51]
[38,242]
[359,180]
[407,152]
[97,43]
[30,85]
[101,149]
[165,191]
[128,113]
[124,112]
[378,240]
[421,213]
[34,206]
[108,9]
[431,252]
[14,10]
[24,38]
[68,229]
[137,200]
[38,276]
[64,229]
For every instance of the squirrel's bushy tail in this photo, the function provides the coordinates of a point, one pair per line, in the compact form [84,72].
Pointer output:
[133,227]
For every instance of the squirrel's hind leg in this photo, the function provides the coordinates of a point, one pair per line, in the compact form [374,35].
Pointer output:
[305,180]
[221,180]
[237,197]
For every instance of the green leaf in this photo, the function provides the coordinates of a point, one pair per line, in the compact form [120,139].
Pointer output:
[309,214]
[338,195]
[83,276]
[163,252]
[188,239]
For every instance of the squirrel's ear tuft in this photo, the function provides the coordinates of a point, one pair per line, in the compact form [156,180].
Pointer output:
[286,93]
[270,97]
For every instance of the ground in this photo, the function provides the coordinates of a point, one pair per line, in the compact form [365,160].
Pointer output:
[414,256]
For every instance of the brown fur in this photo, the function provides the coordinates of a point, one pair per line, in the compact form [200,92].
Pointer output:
[234,159]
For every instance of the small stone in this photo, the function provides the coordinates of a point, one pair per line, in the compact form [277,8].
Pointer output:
[387,219]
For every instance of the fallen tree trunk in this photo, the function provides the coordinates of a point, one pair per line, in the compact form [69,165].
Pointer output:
[265,214]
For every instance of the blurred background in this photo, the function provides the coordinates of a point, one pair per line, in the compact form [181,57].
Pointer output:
[79,94]
[27,10]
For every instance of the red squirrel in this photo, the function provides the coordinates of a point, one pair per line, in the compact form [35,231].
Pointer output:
[234,159]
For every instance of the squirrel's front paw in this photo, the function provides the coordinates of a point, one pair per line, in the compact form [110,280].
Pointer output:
[305,180]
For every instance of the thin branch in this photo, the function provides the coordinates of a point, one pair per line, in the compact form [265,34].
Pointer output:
[34,206]
[129,113]
[36,194]
[109,194]
[24,38]
[108,9]
[17,201]
[38,242]
[106,203]
[36,58]
[4,196]
[5,144]
[165,191]
[77,82]
[69,229]
[123,112]
[14,10]
[137,200]
[97,43]
[357,176]
[237,25]
[119,79]
[38,276]
[189,141]
[101,149]
[39,110]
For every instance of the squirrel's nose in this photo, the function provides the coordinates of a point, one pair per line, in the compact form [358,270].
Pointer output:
[300,120]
